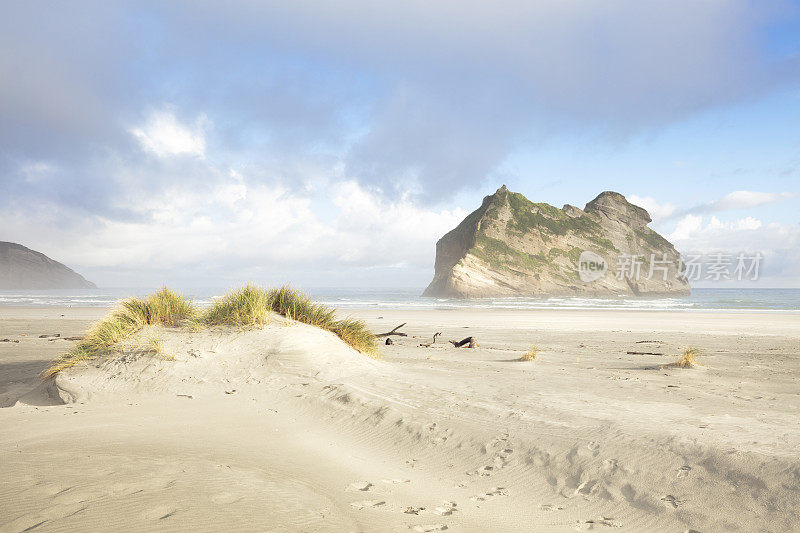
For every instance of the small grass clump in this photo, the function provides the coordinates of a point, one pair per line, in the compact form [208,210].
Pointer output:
[297,306]
[155,345]
[530,355]
[355,333]
[164,307]
[248,306]
[688,359]
[251,306]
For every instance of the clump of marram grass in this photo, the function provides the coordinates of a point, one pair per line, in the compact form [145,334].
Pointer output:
[248,306]
[530,355]
[297,306]
[164,308]
[155,345]
[688,359]
[355,333]
[167,308]
[251,306]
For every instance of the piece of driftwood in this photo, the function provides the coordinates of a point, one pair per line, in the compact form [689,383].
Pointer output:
[647,342]
[643,353]
[428,344]
[470,342]
[394,332]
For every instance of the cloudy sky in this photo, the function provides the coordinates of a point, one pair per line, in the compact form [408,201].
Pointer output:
[332,143]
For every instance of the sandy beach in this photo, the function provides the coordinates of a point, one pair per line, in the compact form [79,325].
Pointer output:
[287,429]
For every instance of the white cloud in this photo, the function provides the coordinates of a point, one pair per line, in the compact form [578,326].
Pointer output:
[779,243]
[691,233]
[246,230]
[163,135]
[743,200]
[687,226]
[732,201]
[656,210]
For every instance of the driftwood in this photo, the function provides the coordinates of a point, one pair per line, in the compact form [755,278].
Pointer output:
[470,342]
[647,342]
[393,332]
[428,344]
[643,353]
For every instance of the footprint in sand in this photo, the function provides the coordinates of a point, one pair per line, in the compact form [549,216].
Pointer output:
[395,481]
[610,466]
[359,486]
[587,488]
[483,471]
[550,507]
[671,500]
[367,504]
[603,521]
[430,527]
[413,510]
[683,471]
[491,493]
[446,509]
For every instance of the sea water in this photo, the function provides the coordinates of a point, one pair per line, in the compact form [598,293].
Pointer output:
[707,299]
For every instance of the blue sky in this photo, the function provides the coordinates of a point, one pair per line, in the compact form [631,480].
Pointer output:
[202,144]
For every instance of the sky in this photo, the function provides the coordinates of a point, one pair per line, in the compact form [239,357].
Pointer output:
[331,144]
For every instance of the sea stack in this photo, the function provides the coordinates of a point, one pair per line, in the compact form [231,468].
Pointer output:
[511,246]
[22,268]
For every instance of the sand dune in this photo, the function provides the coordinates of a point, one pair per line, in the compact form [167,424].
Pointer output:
[288,429]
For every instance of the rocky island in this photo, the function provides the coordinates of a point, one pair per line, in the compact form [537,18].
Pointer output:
[22,268]
[511,246]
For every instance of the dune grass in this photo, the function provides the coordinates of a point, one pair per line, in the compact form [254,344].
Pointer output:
[249,306]
[155,345]
[165,307]
[297,306]
[530,355]
[688,359]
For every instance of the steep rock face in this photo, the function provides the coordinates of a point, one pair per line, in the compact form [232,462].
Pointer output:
[23,268]
[511,246]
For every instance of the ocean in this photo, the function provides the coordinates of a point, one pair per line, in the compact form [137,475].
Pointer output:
[702,299]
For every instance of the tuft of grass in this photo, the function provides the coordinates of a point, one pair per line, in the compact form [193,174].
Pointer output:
[297,306]
[530,355]
[168,308]
[355,333]
[251,306]
[164,308]
[688,359]
[155,345]
[248,306]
